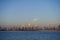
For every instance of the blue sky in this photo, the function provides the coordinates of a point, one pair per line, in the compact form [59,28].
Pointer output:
[21,11]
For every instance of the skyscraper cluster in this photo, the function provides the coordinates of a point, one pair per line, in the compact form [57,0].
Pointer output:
[29,27]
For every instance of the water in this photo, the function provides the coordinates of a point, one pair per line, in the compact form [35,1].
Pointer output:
[29,35]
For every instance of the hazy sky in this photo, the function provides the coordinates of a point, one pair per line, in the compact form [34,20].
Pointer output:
[22,11]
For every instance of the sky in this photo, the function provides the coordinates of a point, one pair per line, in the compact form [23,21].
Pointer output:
[14,12]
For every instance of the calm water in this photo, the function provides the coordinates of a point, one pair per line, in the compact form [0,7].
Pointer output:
[29,35]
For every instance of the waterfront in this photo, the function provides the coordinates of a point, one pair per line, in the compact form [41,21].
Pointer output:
[29,35]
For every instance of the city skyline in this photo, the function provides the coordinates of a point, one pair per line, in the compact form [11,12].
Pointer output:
[13,12]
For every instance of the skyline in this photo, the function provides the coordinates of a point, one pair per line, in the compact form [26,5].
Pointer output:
[24,11]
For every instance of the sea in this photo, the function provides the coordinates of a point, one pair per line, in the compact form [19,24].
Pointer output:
[29,35]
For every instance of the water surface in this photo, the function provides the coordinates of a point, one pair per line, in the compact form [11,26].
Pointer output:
[29,35]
